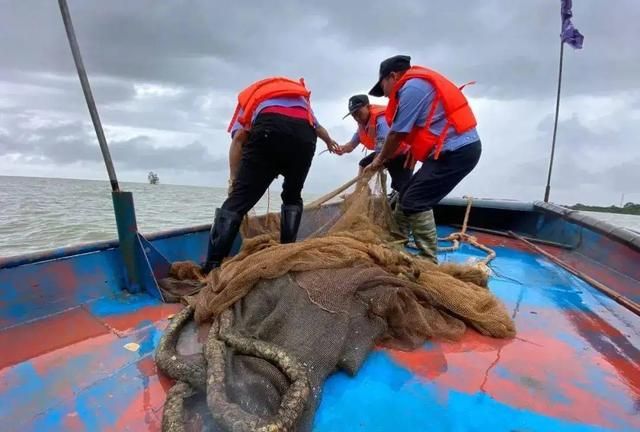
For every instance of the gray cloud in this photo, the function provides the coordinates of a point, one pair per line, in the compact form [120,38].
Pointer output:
[608,139]
[139,153]
[603,160]
[69,143]
[509,47]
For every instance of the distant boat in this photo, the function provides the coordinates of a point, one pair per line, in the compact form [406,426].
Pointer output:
[153,178]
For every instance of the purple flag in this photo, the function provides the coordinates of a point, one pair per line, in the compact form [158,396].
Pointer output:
[569,34]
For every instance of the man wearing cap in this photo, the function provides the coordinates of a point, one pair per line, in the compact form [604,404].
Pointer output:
[273,132]
[430,113]
[372,131]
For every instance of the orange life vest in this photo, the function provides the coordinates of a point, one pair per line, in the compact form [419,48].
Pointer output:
[456,110]
[260,91]
[367,136]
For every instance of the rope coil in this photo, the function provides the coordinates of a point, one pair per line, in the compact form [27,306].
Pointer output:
[462,237]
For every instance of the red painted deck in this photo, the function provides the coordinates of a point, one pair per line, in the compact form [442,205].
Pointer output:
[574,366]
[48,334]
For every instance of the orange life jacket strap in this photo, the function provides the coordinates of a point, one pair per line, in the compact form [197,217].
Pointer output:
[432,112]
[466,84]
[443,134]
[308,99]
[441,139]
[234,117]
[372,127]
[309,112]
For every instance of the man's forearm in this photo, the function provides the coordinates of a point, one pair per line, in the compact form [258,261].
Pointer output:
[235,153]
[323,134]
[351,145]
[390,146]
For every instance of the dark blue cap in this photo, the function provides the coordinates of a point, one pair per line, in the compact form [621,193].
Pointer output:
[397,63]
[356,102]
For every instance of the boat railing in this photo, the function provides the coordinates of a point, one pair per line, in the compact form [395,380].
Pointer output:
[614,232]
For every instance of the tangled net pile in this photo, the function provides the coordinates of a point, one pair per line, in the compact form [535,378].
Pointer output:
[254,345]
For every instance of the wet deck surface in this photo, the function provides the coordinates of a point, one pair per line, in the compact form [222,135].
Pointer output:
[575,365]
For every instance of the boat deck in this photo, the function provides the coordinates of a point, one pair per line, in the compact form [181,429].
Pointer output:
[574,365]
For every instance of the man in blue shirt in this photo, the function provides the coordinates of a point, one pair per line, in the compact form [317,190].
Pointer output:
[372,131]
[444,140]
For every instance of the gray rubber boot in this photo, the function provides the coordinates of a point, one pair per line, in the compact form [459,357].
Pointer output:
[401,227]
[423,227]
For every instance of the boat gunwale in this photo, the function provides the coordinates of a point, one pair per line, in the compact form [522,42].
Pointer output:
[621,235]
[613,232]
[84,248]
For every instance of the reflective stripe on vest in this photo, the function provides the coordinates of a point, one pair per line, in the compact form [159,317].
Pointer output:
[250,98]
[456,108]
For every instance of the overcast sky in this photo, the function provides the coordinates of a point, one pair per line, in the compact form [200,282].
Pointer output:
[165,75]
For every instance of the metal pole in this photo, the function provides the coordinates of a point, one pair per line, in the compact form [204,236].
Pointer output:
[86,89]
[555,125]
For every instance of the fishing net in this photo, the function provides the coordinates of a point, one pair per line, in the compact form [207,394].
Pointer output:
[254,345]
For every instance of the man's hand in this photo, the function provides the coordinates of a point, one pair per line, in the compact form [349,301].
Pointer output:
[344,149]
[391,144]
[333,146]
[374,166]
[322,133]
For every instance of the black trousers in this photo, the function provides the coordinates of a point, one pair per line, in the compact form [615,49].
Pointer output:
[400,175]
[436,178]
[277,145]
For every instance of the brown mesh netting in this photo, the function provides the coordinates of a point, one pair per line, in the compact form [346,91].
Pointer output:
[286,316]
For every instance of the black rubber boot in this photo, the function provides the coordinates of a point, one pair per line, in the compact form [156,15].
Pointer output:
[290,216]
[223,232]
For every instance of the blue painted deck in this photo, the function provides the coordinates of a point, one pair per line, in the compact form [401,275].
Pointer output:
[574,366]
